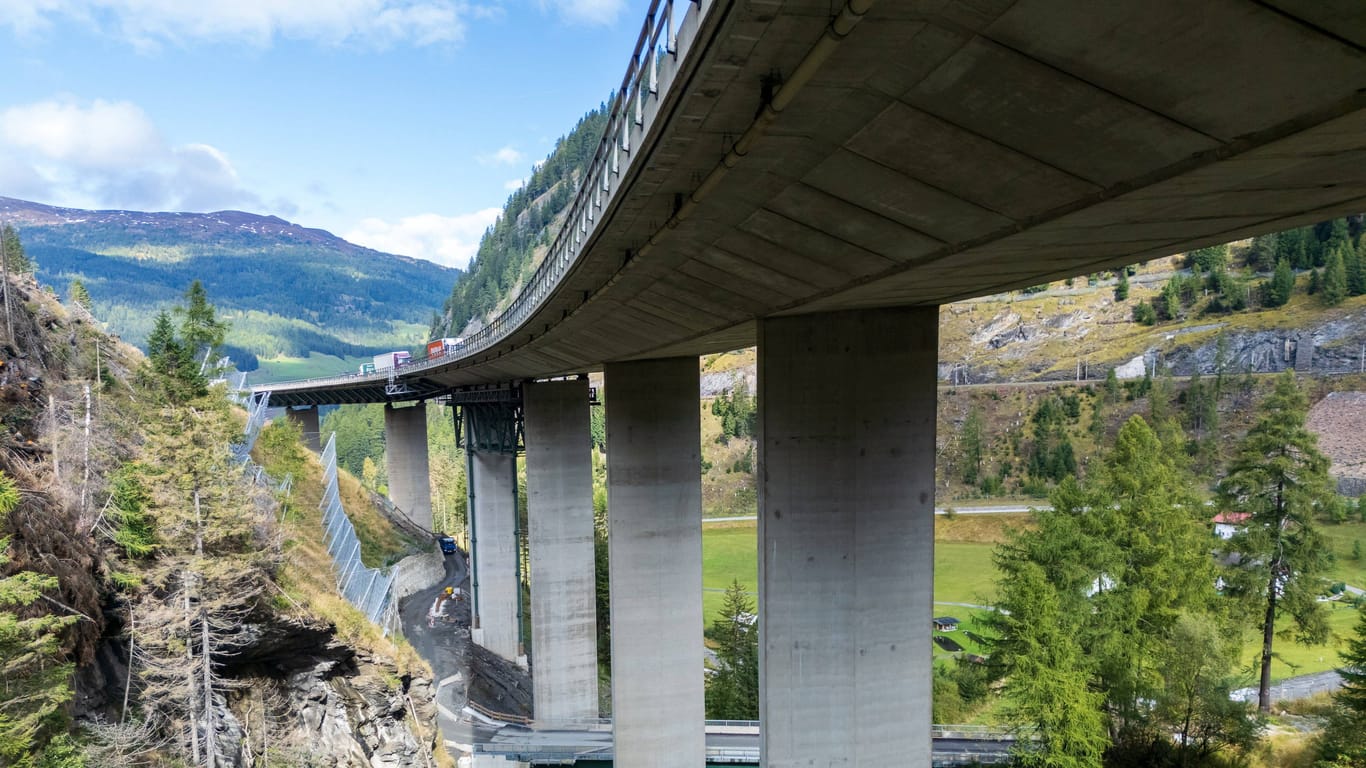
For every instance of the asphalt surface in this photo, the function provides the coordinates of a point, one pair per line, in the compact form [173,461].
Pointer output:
[446,649]
[1292,688]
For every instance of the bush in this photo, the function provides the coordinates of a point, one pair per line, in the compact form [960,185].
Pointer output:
[1144,314]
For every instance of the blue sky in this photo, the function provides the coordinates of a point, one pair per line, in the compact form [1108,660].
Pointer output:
[398,124]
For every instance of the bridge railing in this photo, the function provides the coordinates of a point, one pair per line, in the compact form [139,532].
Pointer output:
[630,117]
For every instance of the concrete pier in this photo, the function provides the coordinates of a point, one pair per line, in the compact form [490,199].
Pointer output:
[493,552]
[846,536]
[309,428]
[560,530]
[654,504]
[405,441]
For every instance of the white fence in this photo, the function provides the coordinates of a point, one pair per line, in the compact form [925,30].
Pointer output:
[369,589]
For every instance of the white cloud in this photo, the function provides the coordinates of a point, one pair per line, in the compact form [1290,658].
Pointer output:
[101,135]
[109,154]
[505,156]
[448,240]
[147,24]
[512,185]
[596,12]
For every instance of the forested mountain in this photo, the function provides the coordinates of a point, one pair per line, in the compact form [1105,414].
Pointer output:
[513,246]
[286,289]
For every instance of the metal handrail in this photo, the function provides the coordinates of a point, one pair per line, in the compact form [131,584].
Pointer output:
[600,183]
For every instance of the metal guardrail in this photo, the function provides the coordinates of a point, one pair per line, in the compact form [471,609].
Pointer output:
[368,589]
[629,118]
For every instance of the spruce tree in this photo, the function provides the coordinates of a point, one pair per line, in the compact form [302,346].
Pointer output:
[1281,286]
[79,295]
[1122,287]
[1279,477]
[1334,280]
[16,261]
[36,681]
[1343,741]
[200,329]
[732,690]
[1354,264]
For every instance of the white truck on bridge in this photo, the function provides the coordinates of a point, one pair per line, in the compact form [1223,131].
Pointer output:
[391,360]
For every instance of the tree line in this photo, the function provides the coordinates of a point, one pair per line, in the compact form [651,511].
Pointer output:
[1116,633]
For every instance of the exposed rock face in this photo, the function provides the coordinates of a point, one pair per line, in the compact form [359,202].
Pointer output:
[355,713]
[1134,369]
[1340,422]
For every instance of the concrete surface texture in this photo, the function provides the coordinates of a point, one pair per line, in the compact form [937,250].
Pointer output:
[654,503]
[405,440]
[937,151]
[493,552]
[846,537]
[307,419]
[559,484]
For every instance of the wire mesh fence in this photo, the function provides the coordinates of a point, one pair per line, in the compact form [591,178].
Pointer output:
[369,589]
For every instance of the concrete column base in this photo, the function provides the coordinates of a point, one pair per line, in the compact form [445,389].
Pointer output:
[654,503]
[846,537]
[560,538]
[493,553]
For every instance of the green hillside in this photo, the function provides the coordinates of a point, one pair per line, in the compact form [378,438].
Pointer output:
[289,292]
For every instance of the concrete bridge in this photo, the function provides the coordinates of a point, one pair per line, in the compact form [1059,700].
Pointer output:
[815,178]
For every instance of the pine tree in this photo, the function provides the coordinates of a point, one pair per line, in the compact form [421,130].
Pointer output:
[1280,478]
[732,689]
[200,329]
[16,261]
[1122,287]
[1343,741]
[1282,283]
[1084,594]
[1262,256]
[35,680]
[79,295]
[1334,280]
[1354,264]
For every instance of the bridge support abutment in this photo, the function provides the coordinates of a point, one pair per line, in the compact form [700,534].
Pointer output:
[846,536]
[492,485]
[654,507]
[560,539]
[309,426]
[405,441]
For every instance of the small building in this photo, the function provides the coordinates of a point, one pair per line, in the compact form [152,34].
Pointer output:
[946,624]
[1228,523]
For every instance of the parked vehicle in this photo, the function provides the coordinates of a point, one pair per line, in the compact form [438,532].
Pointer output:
[441,347]
[391,360]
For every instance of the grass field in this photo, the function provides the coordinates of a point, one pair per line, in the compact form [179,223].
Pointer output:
[963,570]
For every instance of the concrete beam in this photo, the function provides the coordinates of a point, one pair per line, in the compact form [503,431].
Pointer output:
[492,487]
[309,429]
[405,442]
[846,537]
[560,530]
[654,503]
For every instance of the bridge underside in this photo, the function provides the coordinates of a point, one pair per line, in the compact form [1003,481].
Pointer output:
[946,150]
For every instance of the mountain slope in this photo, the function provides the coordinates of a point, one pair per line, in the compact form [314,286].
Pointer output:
[515,245]
[287,290]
